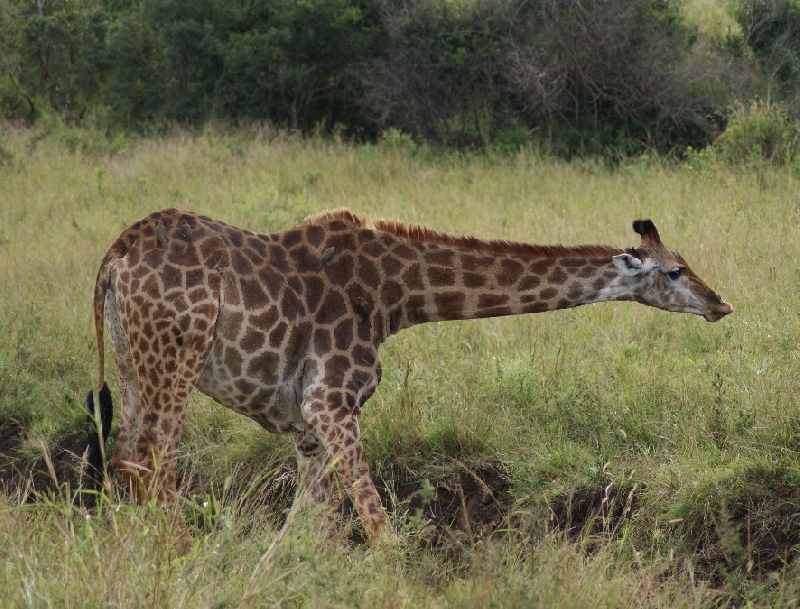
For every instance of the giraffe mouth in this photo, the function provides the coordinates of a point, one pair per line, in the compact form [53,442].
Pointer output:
[724,309]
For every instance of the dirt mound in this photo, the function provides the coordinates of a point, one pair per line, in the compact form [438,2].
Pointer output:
[449,499]
[758,537]
[447,504]
[26,478]
[585,512]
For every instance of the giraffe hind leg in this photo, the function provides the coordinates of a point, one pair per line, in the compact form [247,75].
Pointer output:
[158,359]
[130,399]
[313,463]
[154,458]
[164,397]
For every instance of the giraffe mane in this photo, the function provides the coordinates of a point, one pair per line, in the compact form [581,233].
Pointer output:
[415,232]
[340,213]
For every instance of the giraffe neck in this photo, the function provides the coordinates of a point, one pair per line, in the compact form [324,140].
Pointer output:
[457,283]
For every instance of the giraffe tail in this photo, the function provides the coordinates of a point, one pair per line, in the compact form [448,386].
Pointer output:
[98,426]
[98,423]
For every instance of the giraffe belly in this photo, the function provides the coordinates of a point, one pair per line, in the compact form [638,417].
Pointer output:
[274,407]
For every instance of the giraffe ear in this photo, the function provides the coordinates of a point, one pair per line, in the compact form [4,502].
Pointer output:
[628,265]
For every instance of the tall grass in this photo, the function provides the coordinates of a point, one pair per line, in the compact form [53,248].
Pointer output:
[695,423]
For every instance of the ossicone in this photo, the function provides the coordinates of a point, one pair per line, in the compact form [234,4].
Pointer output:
[643,227]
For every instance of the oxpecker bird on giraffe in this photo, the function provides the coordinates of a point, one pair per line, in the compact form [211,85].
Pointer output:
[285,328]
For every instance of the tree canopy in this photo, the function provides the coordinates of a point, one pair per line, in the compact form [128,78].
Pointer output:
[597,77]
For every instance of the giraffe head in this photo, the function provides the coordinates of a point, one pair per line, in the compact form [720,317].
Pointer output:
[664,280]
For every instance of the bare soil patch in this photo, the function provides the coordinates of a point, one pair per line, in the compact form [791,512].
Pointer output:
[449,504]
[27,478]
[449,499]
[598,511]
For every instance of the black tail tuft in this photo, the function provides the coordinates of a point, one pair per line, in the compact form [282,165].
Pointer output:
[96,444]
[106,411]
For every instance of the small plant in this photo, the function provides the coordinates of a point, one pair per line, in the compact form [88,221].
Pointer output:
[717,423]
[396,139]
[6,156]
[702,161]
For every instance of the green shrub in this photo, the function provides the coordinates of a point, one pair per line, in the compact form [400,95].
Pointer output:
[760,132]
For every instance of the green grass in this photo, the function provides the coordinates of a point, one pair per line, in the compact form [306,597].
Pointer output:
[697,423]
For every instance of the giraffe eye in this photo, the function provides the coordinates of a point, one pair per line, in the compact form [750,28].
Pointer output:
[675,273]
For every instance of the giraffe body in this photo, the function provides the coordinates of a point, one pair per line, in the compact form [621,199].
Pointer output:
[285,328]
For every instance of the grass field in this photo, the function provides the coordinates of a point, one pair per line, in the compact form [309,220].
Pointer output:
[652,459]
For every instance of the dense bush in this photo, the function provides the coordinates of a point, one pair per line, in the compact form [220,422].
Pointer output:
[440,72]
[759,132]
[292,66]
[772,30]
[610,77]
[614,75]
[57,56]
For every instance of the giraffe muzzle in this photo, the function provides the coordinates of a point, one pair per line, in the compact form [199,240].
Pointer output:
[725,308]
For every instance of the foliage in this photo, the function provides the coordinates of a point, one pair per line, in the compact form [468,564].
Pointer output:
[611,78]
[440,71]
[292,68]
[772,30]
[607,78]
[56,56]
[760,132]
[133,89]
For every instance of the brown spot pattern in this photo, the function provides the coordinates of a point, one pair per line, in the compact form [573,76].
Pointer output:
[285,328]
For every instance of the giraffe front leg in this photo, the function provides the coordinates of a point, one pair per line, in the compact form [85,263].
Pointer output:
[316,475]
[339,433]
[314,467]
[351,467]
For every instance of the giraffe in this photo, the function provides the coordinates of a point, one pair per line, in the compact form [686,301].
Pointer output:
[285,328]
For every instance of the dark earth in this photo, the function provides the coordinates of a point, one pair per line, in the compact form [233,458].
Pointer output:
[449,505]
[470,503]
